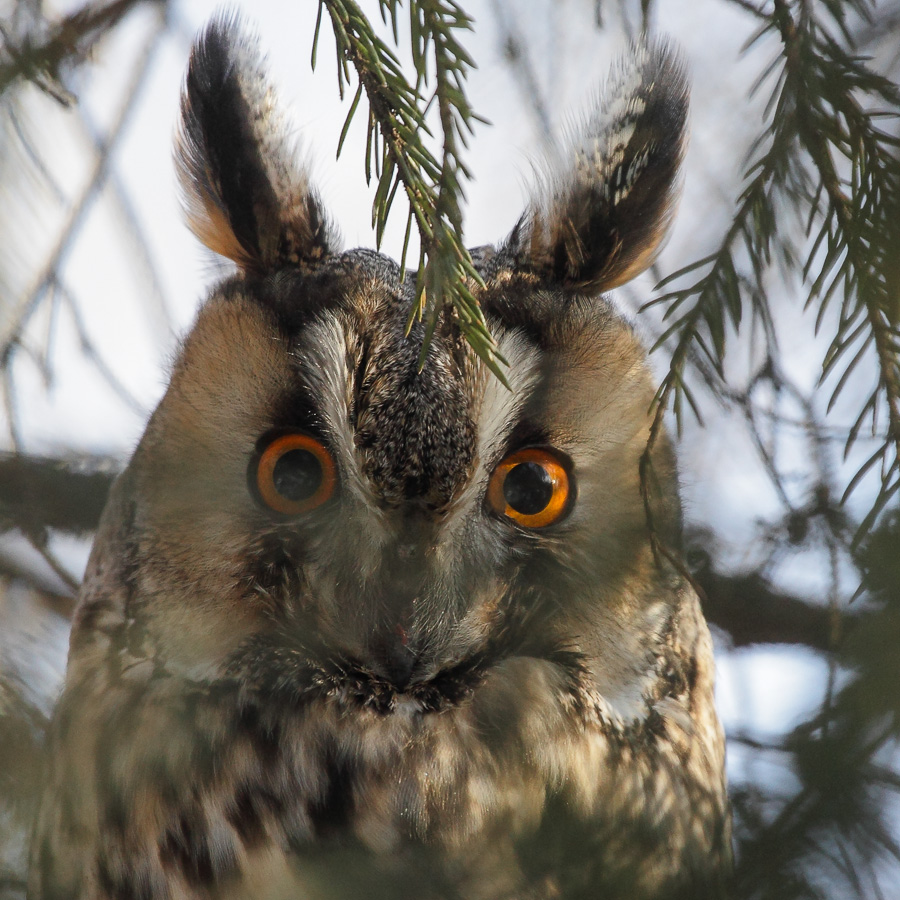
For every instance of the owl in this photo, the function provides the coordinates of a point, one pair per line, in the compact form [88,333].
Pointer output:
[361,625]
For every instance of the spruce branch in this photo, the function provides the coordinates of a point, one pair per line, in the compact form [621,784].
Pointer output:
[824,157]
[399,157]
[859,227]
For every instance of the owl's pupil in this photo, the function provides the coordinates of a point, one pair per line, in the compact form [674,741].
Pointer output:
[528,488]
[297,475]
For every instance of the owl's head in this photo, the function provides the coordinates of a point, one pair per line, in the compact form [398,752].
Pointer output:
[310,505]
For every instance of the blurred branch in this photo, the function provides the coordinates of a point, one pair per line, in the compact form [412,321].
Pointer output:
[518,56]
[69,41]
[23,307]
[138,245]
[39,493]
[46,592]
[752,611]
[90,352]
[883,24]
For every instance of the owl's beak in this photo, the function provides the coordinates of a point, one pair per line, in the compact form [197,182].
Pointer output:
[395,656]
[396,641]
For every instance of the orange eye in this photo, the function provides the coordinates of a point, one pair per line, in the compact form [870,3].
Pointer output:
[531,487]
[294,474]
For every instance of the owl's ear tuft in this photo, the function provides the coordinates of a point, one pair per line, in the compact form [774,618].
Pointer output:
[600,218]
[246,195]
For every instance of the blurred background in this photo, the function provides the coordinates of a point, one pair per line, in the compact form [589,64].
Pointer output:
[99,278]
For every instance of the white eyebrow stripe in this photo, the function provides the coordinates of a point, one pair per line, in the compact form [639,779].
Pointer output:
[497,414]
[326,376]
[501,408]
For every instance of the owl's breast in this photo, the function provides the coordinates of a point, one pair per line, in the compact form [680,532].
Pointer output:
[221,788]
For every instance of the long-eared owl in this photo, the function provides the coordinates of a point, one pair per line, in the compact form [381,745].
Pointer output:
[358,624]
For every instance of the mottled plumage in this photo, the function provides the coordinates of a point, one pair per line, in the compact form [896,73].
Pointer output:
[356,628]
